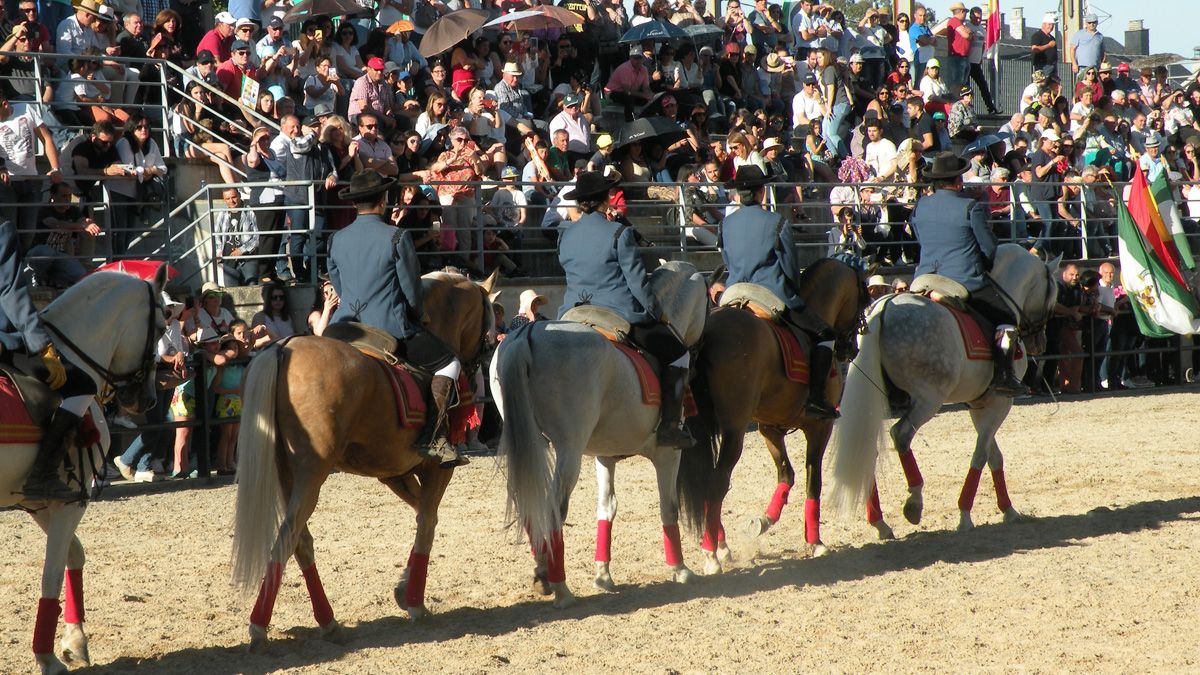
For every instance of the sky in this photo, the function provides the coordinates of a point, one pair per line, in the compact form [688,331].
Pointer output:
[1172,23]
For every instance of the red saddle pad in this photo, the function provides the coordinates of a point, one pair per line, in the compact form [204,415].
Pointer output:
[977,345]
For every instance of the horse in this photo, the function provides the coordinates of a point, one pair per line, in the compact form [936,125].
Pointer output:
[107,324]
[916,343]
[741,378]
[315,405]
[563,384]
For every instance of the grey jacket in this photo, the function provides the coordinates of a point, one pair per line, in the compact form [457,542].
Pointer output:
[955,239]
[373,267]
[758,248]
[604,268]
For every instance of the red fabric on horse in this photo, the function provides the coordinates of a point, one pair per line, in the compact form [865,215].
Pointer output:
[795,361]
[651,390]
[16,426]
[410,402]
[465,415]
[977,345]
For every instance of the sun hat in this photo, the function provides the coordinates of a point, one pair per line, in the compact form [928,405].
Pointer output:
[530,296]
[954,7]
[772,142]
[207,335]
[876,280]
[173,307]
[775,64]
[245,21]
[1090,18]
[211,288]
[511,68]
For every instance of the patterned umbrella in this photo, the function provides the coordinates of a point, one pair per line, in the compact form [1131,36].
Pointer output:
[538,18]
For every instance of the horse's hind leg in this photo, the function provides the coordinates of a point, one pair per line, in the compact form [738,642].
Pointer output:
[307,561]
[902,432]
[410,592]
[666,469]
[816,439]
[996,464]
[713,540]
[606,512]
[59,523]
[987,420]
[785,479]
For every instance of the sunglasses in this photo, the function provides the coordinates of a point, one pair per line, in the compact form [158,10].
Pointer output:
[141,126]
[278,297]
[26,10]
[368,126]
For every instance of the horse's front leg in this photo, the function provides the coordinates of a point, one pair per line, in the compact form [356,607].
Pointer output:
[63,552]
[434,480]
[816,438]
[666,469]
[785,479]
[606,512]
[987,420]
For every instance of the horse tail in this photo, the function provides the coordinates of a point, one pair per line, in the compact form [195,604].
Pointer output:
[260,506]
[859,432]
[524,450]
[697,463]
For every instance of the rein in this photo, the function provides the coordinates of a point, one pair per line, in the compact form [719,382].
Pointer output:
[111,380]
[1026,327]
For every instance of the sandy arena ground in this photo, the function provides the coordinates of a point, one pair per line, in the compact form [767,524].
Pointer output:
[1101,581]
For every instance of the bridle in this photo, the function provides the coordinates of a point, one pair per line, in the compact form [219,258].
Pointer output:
[488,315]
[1026,327]
[114,381]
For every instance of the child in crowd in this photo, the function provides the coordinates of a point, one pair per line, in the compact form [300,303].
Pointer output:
[183,402]
[228,380]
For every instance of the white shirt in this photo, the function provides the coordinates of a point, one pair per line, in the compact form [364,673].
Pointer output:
[904,46]
[805,108]
[140,161]
[932,88]
[18,144]
[978,38]
[577,129]
[881,156]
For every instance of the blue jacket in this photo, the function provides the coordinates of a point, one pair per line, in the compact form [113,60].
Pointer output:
[373,267]
[955,239]
[604,267]
[758,248]
[20,326]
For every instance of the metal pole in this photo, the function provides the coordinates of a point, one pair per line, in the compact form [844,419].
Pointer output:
[203,438]
[477,226]
[312,234]
[212,241]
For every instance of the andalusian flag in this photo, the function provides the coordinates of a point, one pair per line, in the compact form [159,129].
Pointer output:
[1167,214]
[1161,301]
[993,25]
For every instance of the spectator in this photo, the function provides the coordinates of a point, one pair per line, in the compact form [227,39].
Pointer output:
[1044,46]
[978,38]
[962,123]
[28,21]
[1087,45]
[923,42]
[193,125]
[347,62]
[304,159]
[219,40]
[236,232]
[325,303]
[275,58]
[370,92]
[456,167]
[508,206]
[231,73]
[531,302]
[1069,312]
[368,150]
[958,46]
[205,69]
[577,126]
[835,95]
[19,81]
[629,83]
[921,125]
[60,226]
[132,195]
[934,89]
[210,314]
[227,385]
[274,321]
[183,400]
[21,127]
[880,153]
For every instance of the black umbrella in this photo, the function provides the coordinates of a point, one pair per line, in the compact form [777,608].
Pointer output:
[656,128]
[451,29]
[686,100]
[306,9]
[659,31]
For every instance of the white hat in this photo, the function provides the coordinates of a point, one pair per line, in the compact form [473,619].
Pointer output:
[226,17]
[772,142]
[1050,17]
[1050,135]
[511,68]
[245,21]
[530,296]
[173,307]
[877,280]
[207,334]
[1153,140]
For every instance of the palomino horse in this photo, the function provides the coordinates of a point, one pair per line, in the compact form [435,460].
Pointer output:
[564,382]
[917,343]
[107,324]
[316,405]
[740,377]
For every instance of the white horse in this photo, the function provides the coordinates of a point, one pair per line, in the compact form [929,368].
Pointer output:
[564,383]
[917,343]
[107,325]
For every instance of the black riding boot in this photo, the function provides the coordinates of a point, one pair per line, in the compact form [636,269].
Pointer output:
[437,445]
[670,433]
[43,482]
[818,376]
[1004,380]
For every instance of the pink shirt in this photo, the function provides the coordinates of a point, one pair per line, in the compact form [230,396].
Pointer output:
[625,79]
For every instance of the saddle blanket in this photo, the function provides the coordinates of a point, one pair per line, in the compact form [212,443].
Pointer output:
[651,388]
[411,407]
[977,345]
[795,360]
[16,426]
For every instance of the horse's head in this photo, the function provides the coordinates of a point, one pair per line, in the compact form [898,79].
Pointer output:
[459,311]
[835,289]
[1030,283]
[683,294]
[108,324]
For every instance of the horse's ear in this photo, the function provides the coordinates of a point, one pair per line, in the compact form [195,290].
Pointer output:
[160,278]
[1053,264]
[490,283]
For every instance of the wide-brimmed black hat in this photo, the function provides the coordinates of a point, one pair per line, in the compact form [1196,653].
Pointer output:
[364,184]
[748,177]
[592,185]
[946,165]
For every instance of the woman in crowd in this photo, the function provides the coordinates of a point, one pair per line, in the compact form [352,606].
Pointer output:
[688,75]
[325,303]
[139,150]
[485,76]
[437,111]
[666,70]
[464,66]
[309,48]
[347,62]
[227,385]
[323,86]
[336,135]
[192,126]
[275,318]
[934,89]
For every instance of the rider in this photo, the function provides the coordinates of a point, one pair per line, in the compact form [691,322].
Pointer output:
[604,268]
[373,267]
[757,247]
[22,332]
[957,243]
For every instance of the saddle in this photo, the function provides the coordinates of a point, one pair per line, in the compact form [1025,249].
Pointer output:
[616,329]
[409,382]
[758,300]
[972,326]
[794,341]
[942,290]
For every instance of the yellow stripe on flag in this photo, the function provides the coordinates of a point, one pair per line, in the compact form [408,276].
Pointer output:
[1156,217]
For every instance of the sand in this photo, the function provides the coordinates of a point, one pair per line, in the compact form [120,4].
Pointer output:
[1100,580]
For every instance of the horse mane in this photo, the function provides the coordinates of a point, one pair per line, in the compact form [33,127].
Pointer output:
[684,304]
[88,290]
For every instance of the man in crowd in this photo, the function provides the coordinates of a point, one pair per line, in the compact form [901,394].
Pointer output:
[958,46]
[1044,46]
[21,127]
[52,256]
[369,150]
[629,83]
[370,92]
[577,126]
[1087,46]
[219,40]
[276,64]
[231,72]
[236,232]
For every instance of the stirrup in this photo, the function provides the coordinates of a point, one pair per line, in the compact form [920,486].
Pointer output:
[50,490]
[674,437]
[444,453]
[821,410]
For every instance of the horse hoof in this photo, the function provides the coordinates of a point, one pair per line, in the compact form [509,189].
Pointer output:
[541,585]
[605,583]
[75,647]
[258,640]
[883,530]
[757,527]
[417,612]
[332,632]
[912,511]
[724,555]
[682,575]
[964,522]
[50,665]
[399,592]
[1012,515]
[563,598]
[817,550]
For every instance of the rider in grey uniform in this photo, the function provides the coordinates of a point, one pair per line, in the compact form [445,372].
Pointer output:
[757,247]
[604,267]
[956,242]
[373,267]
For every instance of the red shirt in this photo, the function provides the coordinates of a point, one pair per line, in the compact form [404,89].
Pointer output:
[959,45]
[230,77]
[219,46]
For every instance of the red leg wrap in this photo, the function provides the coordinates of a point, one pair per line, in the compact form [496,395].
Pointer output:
[967,499]
[261,614]
[1002,499]
[912,473]
[720,535]
[73,587]
[874,510]
[418,571]
[775,508]
[603,540]
[812,521]
[44,627]
[712,527]
[322,612]
[556,572]
[671,545]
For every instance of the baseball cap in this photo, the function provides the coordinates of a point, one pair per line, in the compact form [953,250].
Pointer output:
[1049,17]
[205,56]
[572,99]
[732,48]
[509,172]
[939,115]
[706,50]
[604,141]
[1051,135]
[375,63]
[1090,18]
[322,109]
[227,18]
[1122,67]
[856,58]
[933,63]
[275,22]
[391,67]
[239,45]
[635,50]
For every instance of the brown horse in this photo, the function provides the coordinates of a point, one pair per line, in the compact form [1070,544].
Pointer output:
[740,379]
[315,405]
